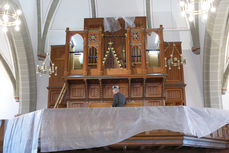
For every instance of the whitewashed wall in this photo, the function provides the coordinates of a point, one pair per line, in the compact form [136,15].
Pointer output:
[225,99]
[5,51]
[8,106]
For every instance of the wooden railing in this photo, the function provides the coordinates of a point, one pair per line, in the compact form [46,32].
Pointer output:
[217,140]
[221,134]
[2,135]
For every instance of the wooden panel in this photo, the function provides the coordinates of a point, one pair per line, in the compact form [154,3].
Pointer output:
[92,23]
[174,103]
[109,104]
[56,82]
[77,104]
[154,103]
[53,95]
[94,91]
[175,75]
[174,94]
[136,90]
[153,90]
[124,89]
[100,104]
[134,104]
[57,57]
[77,91]
[107,91]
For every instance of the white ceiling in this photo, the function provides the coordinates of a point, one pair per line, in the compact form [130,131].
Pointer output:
[71,13]
[113,8]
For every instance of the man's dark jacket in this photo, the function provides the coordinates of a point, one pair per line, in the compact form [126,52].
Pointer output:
[119,100]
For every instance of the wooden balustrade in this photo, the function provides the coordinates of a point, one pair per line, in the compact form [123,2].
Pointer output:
[218,139]
[2,126]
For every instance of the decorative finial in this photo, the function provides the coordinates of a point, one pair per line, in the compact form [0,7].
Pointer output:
[110,43]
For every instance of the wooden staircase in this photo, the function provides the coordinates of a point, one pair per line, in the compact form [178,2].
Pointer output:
[61,95]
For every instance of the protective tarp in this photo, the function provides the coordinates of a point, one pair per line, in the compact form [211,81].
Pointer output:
[129,22]
[22,133]
[81,128]
[111,24]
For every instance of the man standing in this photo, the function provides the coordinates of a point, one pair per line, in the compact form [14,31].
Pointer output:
[119,99]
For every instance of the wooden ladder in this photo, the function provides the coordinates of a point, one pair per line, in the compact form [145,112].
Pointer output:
[61,95]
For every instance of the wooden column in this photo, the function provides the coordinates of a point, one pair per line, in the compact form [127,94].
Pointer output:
[86,89]
[85,55]
[128,52]
[66,64]
[143,51]
[99,66]
[2,135]
[144,87]
[129,87]
[162,53]
[163,90]
[101,89]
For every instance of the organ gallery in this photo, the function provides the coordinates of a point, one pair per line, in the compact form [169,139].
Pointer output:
[148,71]
[111,52]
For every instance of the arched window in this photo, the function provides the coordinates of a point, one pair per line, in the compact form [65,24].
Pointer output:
[136,54]
[76,51]
[92,56]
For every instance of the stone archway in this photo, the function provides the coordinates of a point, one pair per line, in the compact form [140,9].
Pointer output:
[214,54]
[22,47]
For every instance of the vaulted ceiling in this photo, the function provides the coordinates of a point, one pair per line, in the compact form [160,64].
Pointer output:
[70,13]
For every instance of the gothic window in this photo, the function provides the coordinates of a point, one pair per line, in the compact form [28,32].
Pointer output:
[136,54]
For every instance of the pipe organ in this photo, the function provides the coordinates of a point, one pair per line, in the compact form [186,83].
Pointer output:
[93,60]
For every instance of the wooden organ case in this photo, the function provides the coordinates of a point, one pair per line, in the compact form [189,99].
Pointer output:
[92,61]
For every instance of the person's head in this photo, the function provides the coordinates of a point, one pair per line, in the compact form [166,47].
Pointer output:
[115,89]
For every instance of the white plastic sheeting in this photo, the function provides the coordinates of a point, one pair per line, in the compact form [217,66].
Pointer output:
[111,24]
[81,128]
[22,133]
